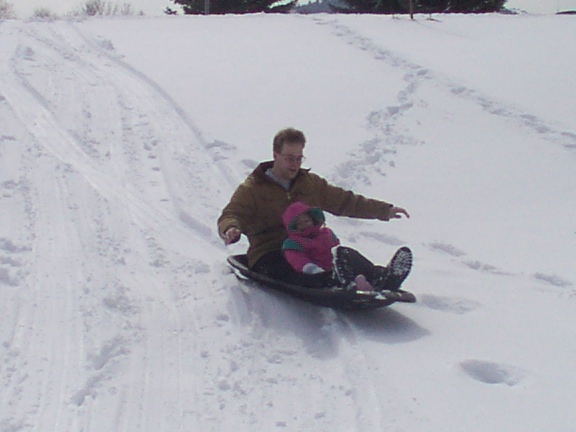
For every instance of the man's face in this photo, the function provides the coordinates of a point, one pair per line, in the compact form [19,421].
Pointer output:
[288,161]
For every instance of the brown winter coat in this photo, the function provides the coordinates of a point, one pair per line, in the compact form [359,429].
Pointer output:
[257,205]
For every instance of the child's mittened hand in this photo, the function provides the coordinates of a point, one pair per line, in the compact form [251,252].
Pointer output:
[312,268]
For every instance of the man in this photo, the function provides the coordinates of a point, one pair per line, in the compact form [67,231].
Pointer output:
[257,205]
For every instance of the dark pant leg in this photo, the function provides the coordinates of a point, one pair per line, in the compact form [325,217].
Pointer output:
[352,263]
[274,265]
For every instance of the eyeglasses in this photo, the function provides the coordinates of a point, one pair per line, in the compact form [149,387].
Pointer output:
[293,159]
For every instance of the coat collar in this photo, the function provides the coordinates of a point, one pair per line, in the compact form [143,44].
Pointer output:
[259,172]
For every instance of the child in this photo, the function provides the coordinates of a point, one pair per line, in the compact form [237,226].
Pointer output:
[308,248]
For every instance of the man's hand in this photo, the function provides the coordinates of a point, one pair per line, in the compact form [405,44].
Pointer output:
[231,235]
[397,212]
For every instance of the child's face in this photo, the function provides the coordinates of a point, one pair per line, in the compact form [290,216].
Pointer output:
[304,221]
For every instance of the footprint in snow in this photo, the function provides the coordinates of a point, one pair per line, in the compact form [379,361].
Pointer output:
[6,137]
[249,163]
[29,54]
[455,305]
[105,44]
[446,248]
[453,251]
[111,349]
[10,247]
[220,150]
[553,280]
[7,278]
[489,268]
[492,373]
[383,238]
[570,136]
[10,273]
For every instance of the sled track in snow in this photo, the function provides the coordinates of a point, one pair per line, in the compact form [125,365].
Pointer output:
[136,109]
[100,165]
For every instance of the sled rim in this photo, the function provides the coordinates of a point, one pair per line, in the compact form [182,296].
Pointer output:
[334,297]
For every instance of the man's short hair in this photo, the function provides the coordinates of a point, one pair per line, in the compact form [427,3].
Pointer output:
[288,136]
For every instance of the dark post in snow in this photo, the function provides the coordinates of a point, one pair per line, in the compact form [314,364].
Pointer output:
[411,7]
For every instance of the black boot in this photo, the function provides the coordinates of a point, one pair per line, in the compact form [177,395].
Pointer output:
[398,269]
[344,267]
[378,277]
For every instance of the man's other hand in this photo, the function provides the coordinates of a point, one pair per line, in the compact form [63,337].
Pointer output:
[397,212]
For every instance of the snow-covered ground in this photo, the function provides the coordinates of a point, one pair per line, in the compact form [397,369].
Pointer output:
[120,141]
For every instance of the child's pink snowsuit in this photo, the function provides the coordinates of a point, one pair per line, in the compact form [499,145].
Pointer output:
[313,245]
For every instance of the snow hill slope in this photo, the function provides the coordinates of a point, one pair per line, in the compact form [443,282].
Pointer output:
[121,140]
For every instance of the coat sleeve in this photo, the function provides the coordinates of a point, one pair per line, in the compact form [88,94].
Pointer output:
[342,202]
[239,210]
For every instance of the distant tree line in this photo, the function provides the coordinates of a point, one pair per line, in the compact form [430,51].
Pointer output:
[342,6]
[422,6]
[196,7]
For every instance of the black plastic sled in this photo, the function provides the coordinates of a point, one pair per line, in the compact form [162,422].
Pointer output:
[334,297]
